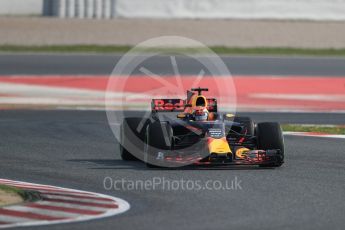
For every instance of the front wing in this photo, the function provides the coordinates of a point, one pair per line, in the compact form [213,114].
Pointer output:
[253,157]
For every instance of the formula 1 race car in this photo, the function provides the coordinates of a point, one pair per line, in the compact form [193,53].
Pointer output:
[197,134]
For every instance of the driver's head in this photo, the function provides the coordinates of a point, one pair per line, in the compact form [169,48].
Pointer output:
[201,113]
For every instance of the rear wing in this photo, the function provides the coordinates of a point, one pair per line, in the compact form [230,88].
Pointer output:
[178,105]
[167,105]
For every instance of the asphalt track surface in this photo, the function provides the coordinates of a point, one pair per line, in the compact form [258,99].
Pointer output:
[76,149]
[47,64]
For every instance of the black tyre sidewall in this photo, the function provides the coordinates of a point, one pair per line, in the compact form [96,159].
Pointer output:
[248,123]
[156,140]
[270,136]
[127,132]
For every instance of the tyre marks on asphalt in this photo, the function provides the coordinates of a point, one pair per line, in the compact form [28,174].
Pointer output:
[58,205]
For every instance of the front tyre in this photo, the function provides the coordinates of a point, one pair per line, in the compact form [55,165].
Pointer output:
[158,139]
[270,136]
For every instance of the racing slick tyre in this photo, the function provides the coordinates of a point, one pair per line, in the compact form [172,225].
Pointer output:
[248,123]
[132,128]
[158,138]
[270,136]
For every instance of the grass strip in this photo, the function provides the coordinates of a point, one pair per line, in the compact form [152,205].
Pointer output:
[327,129]
[217,49]
[13,192]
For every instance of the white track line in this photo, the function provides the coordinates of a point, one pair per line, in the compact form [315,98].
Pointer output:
[301,97]
[13,219]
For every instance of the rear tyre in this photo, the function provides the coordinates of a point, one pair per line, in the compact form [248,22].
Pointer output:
[132,135]
[270,136]
[126,155]
[248,124]
[158,138]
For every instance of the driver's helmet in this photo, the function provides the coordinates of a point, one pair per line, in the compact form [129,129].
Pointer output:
[200,113]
